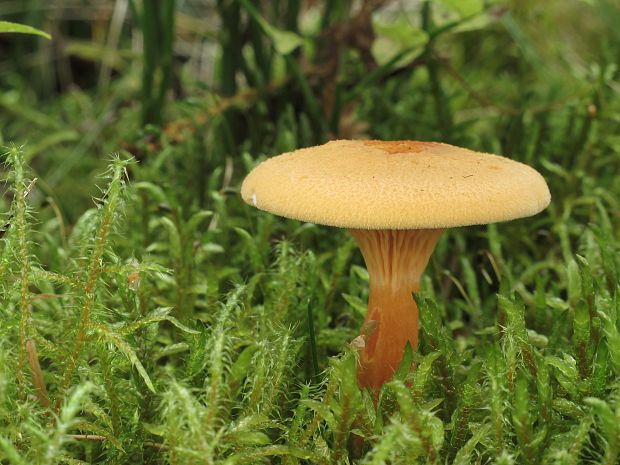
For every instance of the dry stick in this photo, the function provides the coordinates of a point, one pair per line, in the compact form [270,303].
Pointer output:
[99,438]
[37,373]
[247,96]
[46,296]
[87,437]
[51,201]
[174,129]
[114,34]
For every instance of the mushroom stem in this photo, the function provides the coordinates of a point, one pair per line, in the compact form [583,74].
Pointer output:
[395,260]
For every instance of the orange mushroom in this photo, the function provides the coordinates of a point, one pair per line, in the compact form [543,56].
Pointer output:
[395,198]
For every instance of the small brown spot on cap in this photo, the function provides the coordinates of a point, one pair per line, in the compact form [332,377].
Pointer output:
[400,146]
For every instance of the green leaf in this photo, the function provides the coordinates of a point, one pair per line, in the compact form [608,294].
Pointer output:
[160,314]
[608,419]
[255,455]
[581,324]
[613,341]
[116,340]
[465,8]
[6,26]
[574,281]
[423,371]
[173,237]
[48,141]
[405,364]
[465,455]
[361,273]
[195,220]
[356,303]
[566,372]
[323,411]
[585,271]
[397,37]
[156,191]
[242,366]
[88,427]
[251,247]
[284,42]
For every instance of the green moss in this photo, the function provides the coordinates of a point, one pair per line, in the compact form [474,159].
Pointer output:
[169,322]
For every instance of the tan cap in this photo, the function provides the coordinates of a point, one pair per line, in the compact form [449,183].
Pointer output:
[395,185]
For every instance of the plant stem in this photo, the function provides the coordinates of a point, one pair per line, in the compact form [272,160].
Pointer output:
[395,261]
[442,104]
[312,335]
[94,270]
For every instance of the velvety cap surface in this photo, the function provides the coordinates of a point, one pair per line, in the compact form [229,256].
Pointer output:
[395,185]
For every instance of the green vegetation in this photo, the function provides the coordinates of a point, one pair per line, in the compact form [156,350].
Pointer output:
[167,322]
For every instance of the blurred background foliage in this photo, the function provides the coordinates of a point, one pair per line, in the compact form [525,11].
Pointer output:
[218,79]
[186,339]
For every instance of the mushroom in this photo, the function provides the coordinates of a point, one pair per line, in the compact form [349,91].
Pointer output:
[396,198]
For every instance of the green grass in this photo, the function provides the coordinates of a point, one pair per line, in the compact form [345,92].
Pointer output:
[149,316]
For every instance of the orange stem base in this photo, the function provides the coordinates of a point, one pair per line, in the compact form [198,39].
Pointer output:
[395,260]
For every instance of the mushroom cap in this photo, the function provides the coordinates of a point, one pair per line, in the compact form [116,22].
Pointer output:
[395,185]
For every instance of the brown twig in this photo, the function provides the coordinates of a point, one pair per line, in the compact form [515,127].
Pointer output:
[99,438]
[36,373]
[87,437]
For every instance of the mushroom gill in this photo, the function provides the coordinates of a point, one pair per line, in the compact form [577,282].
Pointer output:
[395,260]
